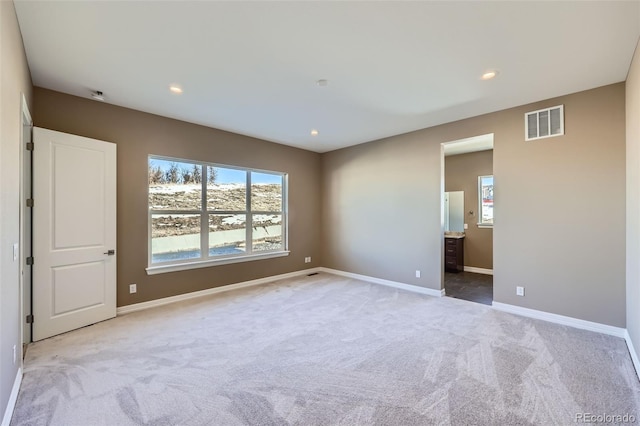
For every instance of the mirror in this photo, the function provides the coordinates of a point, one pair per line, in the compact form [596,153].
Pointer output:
[454,211]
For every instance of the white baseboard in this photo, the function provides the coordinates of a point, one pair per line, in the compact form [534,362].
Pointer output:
[632,351]
[11,404]
[166,300]
[504,307]
[478,270]
[403,286]
[561,319]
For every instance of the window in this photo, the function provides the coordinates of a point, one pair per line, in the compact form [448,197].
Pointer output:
[485,198]
[202,214]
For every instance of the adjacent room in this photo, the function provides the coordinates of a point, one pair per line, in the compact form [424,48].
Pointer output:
[468,219]
[319,213]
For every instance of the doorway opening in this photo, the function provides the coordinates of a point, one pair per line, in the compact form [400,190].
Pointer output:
[467,218]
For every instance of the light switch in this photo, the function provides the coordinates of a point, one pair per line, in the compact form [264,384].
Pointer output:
[16,251]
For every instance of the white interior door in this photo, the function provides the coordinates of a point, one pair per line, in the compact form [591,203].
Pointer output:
[74,228]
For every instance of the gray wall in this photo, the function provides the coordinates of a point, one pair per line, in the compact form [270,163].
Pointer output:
[381,210]
[633,201]
[461,174]
[14,80]
[138,135]
[559,209]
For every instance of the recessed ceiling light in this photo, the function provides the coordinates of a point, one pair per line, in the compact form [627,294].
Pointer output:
[314,132]
[322,82]
[175,89]
[489,74]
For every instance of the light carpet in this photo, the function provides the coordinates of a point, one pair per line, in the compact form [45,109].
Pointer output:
[325,350]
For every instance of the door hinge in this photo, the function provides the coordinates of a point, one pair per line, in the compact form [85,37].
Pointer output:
[29,146]
[29,202]
[29,319]
[30,260]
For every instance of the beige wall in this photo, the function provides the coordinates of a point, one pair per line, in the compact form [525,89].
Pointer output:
[381,210]
[560,207]
[14,81]
[633,200]
[461,174]
[137,135]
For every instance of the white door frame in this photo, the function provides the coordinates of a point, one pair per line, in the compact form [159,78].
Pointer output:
[466,142]
[25,243]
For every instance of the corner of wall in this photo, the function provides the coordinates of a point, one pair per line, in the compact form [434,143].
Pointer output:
[15,82]
[632,111]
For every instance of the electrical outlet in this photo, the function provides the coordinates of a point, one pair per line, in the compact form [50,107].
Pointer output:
[133,288]
[519,291]
[307,259]
[14,354]
[417,274]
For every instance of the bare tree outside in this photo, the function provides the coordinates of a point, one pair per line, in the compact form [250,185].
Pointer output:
[196,173]
[186,175]
[156,175]
[212,175]
[171,175]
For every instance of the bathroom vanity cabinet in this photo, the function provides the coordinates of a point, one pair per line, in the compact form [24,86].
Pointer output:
[454,254]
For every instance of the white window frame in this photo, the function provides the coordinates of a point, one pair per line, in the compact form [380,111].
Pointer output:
[481,222]
[205,260]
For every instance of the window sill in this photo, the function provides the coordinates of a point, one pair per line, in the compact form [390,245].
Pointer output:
[485,225]
[161,269]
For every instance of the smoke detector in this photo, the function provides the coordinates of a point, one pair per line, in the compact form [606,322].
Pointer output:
[97,95]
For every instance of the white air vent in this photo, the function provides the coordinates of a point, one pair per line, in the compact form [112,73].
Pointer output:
[544,123]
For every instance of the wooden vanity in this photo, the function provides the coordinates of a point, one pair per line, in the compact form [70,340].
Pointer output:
[453,253]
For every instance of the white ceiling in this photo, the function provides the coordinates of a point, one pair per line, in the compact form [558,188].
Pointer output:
[392,66]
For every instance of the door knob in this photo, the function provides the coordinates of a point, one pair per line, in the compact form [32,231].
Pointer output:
[110,252]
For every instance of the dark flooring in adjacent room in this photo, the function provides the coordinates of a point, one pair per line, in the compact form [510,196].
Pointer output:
[469,286]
